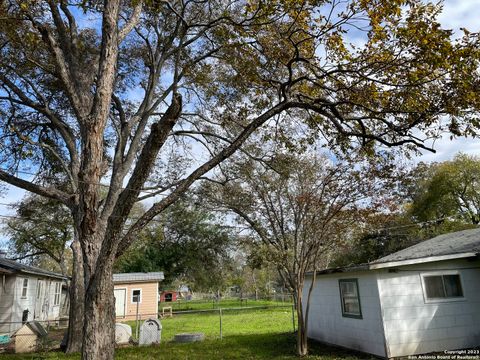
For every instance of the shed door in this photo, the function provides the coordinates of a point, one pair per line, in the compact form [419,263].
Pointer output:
[120,295]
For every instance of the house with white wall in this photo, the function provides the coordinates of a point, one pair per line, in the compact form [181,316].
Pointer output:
[136,293]
[423,299]
[28,293]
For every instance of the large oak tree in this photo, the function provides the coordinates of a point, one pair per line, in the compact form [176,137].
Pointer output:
[119,95]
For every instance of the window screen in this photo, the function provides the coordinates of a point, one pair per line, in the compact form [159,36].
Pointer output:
[442,286]
[58,290]
[136,296]
[350,298]
[24,288]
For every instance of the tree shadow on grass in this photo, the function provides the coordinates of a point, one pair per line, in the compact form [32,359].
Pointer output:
[255,346]
[245,347]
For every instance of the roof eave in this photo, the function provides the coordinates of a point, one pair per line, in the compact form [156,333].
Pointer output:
[346,269]
[136,281]
[57,276]
[389,264]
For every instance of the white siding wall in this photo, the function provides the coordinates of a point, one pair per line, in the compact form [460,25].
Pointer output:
[23,303]
[7,294]
[12,304]
[413,326]
[327,324]
[50,311]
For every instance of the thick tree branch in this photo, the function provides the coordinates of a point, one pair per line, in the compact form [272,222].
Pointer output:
[200,171]
[49,192]
[135,17]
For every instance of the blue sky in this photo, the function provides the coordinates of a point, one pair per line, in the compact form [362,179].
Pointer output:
[456,14]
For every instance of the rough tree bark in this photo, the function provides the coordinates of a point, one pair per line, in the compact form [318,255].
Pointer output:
[99,330]
[302,345]
[77,295]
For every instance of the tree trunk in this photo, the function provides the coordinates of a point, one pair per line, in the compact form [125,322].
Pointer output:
[99,325]
[77,302]
[302,344]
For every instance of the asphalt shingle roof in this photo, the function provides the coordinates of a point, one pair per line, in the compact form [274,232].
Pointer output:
[460,242]
[138,277]
[8,265]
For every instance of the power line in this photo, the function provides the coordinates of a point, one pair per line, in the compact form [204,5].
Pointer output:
[451,217]
[151,191]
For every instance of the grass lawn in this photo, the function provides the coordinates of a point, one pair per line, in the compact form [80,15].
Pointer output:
[241,347]
[247,334]
[234,322]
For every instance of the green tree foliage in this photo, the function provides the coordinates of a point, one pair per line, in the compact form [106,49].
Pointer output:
[253,274]
[209,73]
[432,199]
[41,234]
[188,244]
[450,189]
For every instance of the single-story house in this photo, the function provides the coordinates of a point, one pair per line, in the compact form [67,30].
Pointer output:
[425,298]
[136,290]
[28,293]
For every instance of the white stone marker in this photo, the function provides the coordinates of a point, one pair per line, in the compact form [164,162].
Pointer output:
[123,333]
[150,332]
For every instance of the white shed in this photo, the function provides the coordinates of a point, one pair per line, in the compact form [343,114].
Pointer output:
[28,293]
[423,299]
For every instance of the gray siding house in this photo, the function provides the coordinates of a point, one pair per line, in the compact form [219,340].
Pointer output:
[422,299]
[28,293]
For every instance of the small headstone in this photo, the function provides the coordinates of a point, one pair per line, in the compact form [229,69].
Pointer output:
[123,333]
[150,332]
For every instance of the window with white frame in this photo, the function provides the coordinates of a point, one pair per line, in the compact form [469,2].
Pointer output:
[136,296]
[442,286]
[24,288]
[58,291]
[350,298]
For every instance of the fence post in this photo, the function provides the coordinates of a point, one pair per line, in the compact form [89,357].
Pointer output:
[293,317]
[221,330]
[137,321]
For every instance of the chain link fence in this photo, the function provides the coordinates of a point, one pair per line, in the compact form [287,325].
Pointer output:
[32,336]
[218,322]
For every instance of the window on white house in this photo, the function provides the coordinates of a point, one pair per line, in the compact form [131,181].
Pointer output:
[350,298]
[443,286]
[58,291]
[136,296]
[24,288]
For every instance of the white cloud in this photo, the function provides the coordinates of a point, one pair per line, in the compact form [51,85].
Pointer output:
[456,14]
[446,149]
[460,14]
